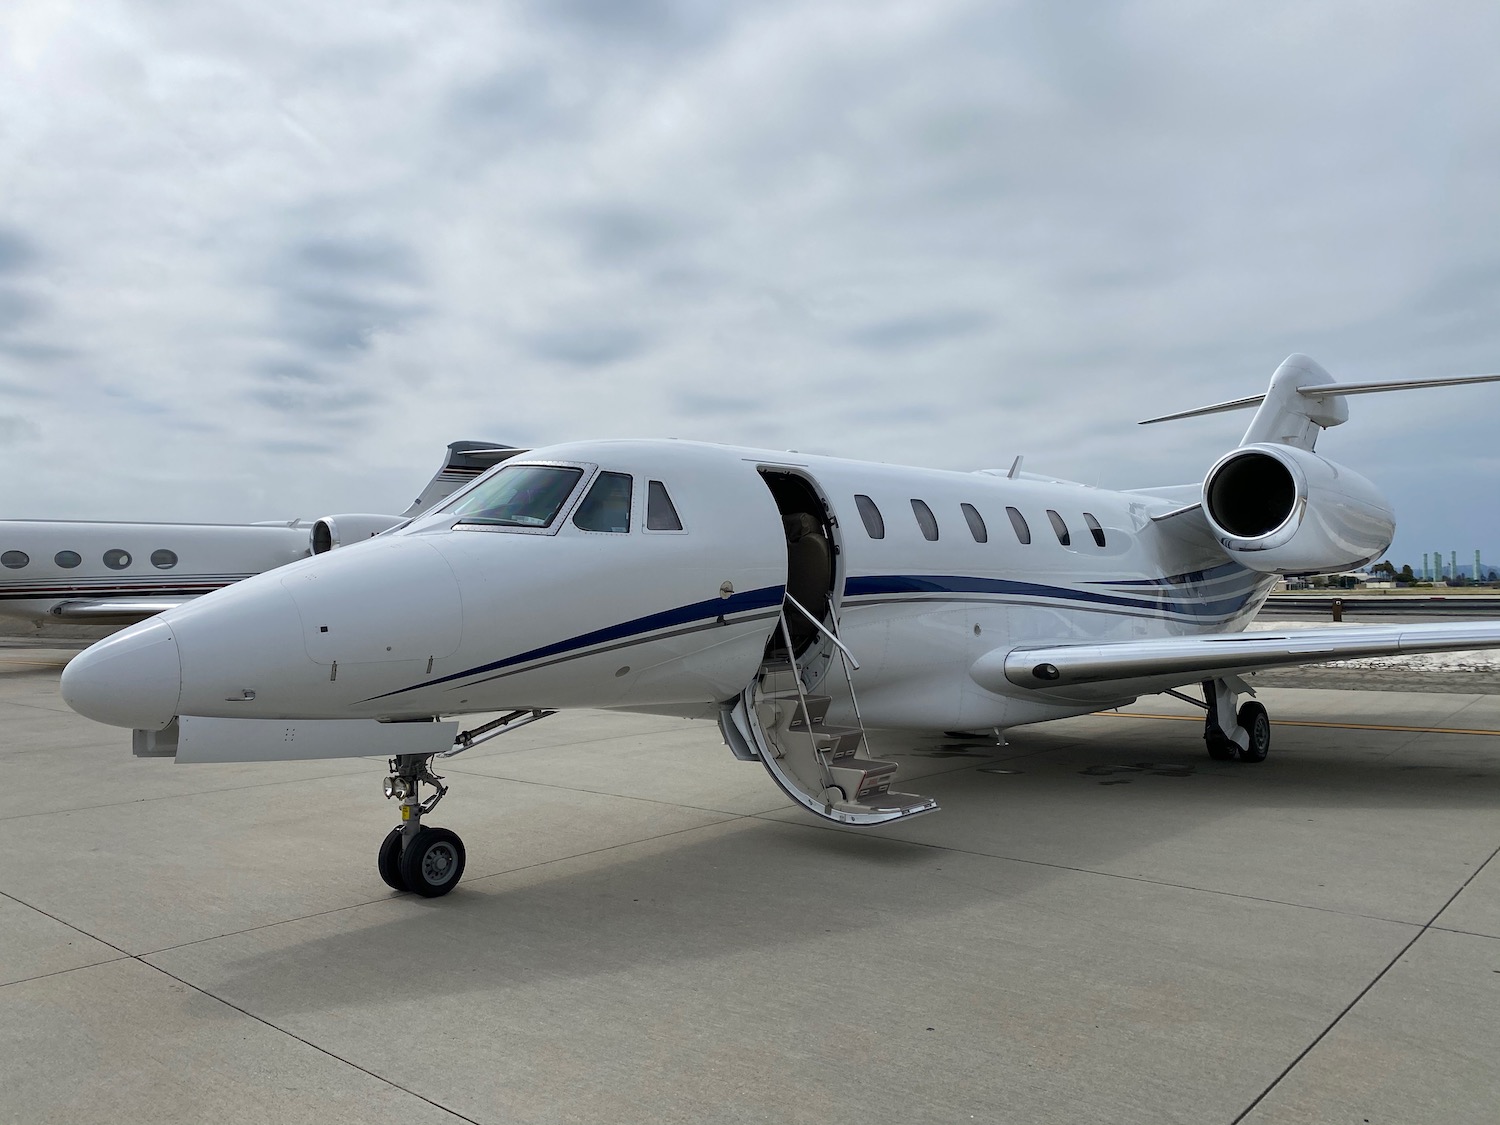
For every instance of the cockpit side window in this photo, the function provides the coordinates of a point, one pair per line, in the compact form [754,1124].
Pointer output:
[518,496]
[607,506]
[661,513]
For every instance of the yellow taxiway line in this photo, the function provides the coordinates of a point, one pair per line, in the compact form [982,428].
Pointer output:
[1311,723]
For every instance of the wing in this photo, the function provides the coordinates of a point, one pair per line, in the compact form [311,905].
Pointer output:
[1113,671]
[112,610]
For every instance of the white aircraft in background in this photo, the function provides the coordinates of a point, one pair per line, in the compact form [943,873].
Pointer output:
[109,574]
[795,599]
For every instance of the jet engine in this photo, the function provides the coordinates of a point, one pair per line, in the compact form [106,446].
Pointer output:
[1278,509]
[341,531]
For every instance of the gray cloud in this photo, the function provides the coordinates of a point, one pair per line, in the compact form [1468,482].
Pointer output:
[906,332]
[588,345]
[15,430]
[653,24]
[334,296]
[16,252]
[19,308]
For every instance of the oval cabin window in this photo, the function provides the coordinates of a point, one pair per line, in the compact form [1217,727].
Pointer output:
[14,559]
[67,559]
[870,514]
[977,529]
[116,559]
[925,520]
[164,559]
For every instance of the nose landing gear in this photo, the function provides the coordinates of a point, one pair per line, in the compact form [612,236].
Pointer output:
[426,861]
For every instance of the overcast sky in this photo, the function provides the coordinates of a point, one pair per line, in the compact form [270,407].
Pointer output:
[267,259]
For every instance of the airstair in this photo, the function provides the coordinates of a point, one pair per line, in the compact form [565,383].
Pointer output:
[781,722]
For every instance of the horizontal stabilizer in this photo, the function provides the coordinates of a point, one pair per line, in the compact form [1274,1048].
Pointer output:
[1110,671]
[1326,390]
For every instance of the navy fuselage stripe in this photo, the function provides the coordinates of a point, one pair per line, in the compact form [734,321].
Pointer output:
[877,585]
[765,597]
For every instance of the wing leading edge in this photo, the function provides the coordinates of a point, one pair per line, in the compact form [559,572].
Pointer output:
[1111,671]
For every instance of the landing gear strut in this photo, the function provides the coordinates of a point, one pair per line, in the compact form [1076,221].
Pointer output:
[1230,735]
[427,861]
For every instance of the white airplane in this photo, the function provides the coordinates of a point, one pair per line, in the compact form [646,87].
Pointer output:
[795,599]
[80,572]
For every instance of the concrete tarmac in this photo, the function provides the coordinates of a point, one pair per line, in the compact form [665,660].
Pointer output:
[1100,925]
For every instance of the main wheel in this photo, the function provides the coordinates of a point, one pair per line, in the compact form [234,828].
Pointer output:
[1257,725]
[432,862]
[388,860]
[1221,748]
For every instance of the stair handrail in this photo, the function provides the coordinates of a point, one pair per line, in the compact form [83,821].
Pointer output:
[812,736]
[859,719]
[820,627]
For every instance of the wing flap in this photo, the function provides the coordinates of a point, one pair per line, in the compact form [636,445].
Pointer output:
[1138,667]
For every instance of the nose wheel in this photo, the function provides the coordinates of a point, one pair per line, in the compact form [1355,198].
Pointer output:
[426,861]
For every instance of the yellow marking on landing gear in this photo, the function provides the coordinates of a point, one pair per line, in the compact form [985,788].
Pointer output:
[1311,723]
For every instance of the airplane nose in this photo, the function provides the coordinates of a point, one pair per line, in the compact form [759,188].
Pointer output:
[132,679]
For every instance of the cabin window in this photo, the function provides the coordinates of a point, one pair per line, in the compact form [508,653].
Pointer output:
[607,506]
[518,496]
[14,559]
[661,514]
[925,520]
[67,559]
[1094,529]
[164,559]
[1018,521]
[116,559]
[1061,528]
[874,521]
[977,529]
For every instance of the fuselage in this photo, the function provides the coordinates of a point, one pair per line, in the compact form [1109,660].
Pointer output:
[926,571]
[47,567]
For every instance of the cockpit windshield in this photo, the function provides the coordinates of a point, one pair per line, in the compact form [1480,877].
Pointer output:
[518,496]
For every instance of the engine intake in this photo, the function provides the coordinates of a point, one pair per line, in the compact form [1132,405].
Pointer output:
[1282,510]
[341,531]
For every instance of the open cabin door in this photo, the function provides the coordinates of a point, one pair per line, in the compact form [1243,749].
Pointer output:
[780,717]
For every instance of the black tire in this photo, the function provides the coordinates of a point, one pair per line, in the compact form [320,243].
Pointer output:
[433,862]
[1257,725]
[388,860]
[1220,749]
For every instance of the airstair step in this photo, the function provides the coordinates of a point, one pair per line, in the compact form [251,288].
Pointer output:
[837,742]
[862,778]
[894,804]
[815,706]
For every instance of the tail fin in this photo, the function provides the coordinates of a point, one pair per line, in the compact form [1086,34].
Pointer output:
[466,460]
[1303,400]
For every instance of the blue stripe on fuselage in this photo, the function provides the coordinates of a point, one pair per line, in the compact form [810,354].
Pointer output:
[876,585]
[698,611]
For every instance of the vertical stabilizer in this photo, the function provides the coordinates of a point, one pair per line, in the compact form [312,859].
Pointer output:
[465,461]
[1288,417]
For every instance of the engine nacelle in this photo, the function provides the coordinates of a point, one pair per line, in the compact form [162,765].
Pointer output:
[340,531]
[1282,510]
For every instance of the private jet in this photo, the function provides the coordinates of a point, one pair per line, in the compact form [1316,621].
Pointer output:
[109,574]
[795,600]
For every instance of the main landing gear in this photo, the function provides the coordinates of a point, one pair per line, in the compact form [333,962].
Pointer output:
[1243,735]
[427,861]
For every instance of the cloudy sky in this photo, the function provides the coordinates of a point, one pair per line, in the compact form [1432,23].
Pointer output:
[266,259]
